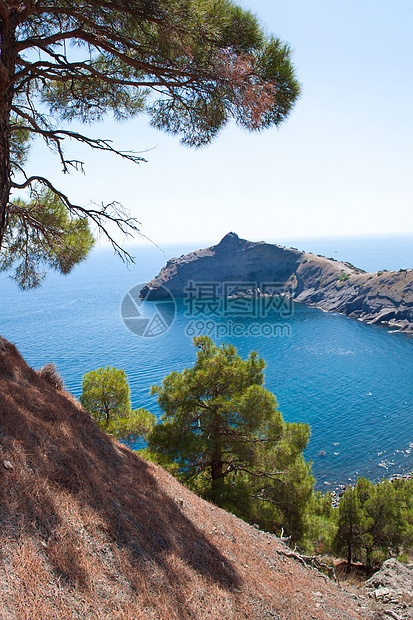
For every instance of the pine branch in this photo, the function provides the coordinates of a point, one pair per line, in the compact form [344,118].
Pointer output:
[310,562]
[49,40]
[56,136]
[66,71]
[111,213]
[261,474]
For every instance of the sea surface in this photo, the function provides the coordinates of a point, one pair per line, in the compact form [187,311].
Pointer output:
[352,382]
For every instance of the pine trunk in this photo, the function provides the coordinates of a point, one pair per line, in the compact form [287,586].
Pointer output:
[217,464]
[7,71]
[349,555]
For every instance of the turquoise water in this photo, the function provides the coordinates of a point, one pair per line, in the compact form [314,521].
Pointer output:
[350,381]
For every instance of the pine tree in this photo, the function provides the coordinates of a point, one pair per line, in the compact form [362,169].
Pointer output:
[222,430]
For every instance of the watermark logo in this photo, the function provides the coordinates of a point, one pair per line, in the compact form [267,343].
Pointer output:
[145,318]
[228,309]
[231,328]
[216,309]
[247,299]
[251,300]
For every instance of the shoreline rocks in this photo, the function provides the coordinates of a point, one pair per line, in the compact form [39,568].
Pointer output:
[338,492]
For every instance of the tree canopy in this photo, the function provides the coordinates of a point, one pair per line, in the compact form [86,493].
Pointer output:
[192,65]
[222,430]
[373,519]
[106,396]
[46,235]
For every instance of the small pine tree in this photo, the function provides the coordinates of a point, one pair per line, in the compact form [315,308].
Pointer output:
[106,396]
[371,521]
[348,535]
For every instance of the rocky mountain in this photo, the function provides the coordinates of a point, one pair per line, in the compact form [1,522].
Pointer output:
[89,530]
[379,297]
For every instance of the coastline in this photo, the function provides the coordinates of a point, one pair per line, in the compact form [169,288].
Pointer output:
[377,297]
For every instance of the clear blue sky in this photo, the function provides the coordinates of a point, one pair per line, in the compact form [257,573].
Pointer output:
[341,164]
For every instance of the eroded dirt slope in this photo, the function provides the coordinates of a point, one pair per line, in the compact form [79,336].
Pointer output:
[90,530]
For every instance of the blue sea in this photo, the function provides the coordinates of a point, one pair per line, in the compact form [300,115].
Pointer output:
[352,382]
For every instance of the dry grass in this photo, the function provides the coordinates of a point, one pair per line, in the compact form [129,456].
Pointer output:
[49,373]
[89,530]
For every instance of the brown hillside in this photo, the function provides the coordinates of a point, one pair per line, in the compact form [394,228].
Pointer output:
[90,530]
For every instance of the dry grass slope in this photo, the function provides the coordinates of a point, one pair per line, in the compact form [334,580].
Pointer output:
[90,530]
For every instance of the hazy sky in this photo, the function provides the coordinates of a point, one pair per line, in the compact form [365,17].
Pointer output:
[341,164]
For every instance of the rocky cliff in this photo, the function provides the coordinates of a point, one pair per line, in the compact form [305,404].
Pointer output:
[379,297]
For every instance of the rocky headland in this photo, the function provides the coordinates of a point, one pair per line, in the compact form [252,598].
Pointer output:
[333,286]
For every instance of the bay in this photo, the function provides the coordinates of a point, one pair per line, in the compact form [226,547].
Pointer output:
[350,381]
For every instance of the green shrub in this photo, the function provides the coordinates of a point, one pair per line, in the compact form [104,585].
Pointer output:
[106,396]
